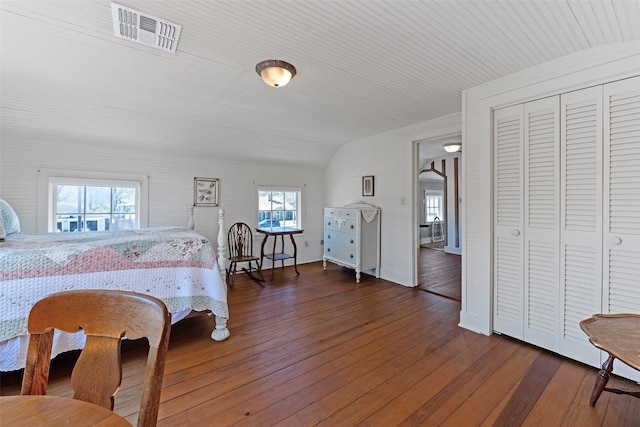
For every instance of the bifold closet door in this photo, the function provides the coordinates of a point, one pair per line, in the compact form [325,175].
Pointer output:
[541,221]
[566,241]
[508,288]
[581,219]
[621,242]
[526,148]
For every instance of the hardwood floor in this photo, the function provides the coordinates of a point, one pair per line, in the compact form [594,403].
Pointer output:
[317,349]
[440,273]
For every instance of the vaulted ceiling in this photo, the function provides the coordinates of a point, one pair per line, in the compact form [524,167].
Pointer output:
[364,67]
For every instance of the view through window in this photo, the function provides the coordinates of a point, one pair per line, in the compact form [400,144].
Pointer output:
[79,208]
[279,207]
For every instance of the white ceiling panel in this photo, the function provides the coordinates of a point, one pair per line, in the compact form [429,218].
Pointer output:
[364,67]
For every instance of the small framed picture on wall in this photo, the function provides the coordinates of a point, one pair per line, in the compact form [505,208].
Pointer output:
[367,185]
[205,191]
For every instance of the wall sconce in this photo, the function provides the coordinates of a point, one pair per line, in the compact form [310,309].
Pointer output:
[275,73]
[452,147]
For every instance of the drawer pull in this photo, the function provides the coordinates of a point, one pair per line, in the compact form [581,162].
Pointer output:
[328,249]
[353,226]
[351,256]
[351,241]
[328,236]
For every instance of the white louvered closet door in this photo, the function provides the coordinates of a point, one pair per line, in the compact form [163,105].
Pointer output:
[581,219]
[567,216]
[541,221]
[527,149]
[508,236]
[621,242]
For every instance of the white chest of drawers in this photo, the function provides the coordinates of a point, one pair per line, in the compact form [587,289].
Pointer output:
[352,238]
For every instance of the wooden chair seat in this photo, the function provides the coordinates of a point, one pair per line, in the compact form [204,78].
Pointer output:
[105,317]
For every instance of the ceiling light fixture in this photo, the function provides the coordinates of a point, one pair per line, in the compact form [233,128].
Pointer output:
[452,147]
[275,73]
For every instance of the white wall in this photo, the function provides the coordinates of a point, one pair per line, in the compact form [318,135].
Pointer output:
[391,158]
[170,183]
[587,68]
[387,156]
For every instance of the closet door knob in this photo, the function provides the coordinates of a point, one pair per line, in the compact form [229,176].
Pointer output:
[615,240]
[515,232]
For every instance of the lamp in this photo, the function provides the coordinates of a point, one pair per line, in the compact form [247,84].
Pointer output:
[275,73]
[452,147]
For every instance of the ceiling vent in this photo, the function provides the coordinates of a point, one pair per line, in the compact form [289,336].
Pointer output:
[145,29]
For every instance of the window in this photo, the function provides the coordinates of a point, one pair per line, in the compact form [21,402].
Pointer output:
[94,203]
[95,207]
[432,205]
[279,207]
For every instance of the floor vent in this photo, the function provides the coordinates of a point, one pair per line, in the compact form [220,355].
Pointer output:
[145,29]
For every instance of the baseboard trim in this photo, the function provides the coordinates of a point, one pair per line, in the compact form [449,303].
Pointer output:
[453,250]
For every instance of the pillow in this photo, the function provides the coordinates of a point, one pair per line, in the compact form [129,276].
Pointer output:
[10,221]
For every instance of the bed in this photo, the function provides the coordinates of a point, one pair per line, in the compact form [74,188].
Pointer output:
[174,264]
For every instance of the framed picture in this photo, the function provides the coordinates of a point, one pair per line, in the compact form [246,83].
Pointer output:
[367,185]
[205,191]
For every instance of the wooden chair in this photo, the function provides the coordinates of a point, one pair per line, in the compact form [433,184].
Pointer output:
[105,317]
[240,241]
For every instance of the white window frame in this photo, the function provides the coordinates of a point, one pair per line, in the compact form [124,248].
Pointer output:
[49,179]
[273,188]
[437,194]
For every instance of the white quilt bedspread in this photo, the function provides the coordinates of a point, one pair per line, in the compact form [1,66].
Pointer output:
[176,265]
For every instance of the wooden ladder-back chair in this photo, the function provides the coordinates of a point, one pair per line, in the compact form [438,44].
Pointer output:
[105,317]
[240,241]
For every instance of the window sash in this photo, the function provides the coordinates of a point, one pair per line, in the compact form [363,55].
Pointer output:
[48,179]
[283,204]
[433,205]
[101,218]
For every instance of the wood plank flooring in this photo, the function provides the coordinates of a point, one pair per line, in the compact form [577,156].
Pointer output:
[317,349]
[440,273]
